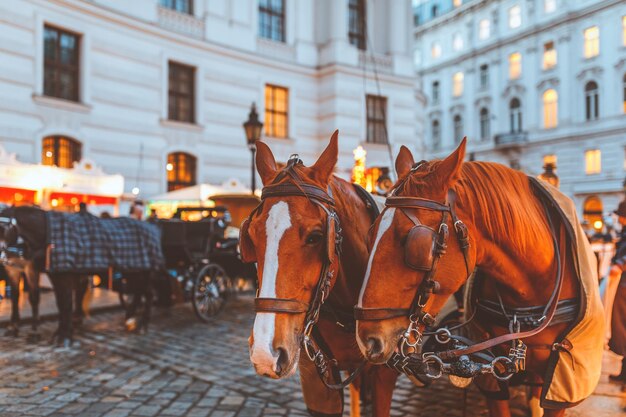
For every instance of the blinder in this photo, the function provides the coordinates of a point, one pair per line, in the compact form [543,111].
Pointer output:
[246,248]
[419,248]
[9,233]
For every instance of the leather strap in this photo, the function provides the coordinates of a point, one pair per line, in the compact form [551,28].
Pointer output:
[415,202]
[280,305]
[375,314]
[300,190]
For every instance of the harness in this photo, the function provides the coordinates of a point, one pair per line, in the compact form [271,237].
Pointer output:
[311,339]
[460,357]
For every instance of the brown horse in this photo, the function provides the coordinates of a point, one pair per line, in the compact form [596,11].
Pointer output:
[289,237]
[510,243]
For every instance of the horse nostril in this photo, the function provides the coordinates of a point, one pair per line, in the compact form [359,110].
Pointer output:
[374,347]
[282,362]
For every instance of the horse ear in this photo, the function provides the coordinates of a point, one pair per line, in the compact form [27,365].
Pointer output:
[265,163]
[404,162]
[325,164]
[448,169]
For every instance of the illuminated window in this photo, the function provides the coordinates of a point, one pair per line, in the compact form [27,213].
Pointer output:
[181,6]
[591,101]
[181,93]
[515,17]
[484,124]
[457,42]
[484,76]
[484,29]
[276,111]
[515,65]
[593,161]
[272,20]
[458,128]
[549,55]
[549,6]
[457,3]
[515,115]
[181,170]
[593,211]
[356,23]
[376,107]
[435,50]
[592,41]
[61,64]
[550,109]
[549,159]
[436,134]
[457,84]
[60,151]
[435,92]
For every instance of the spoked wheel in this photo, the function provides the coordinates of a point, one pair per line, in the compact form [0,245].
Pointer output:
[210,291]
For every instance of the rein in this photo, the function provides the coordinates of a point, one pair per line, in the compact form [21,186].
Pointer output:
[311,339]
[455,360]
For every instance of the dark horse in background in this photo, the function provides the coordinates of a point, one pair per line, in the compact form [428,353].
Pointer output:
[30,223]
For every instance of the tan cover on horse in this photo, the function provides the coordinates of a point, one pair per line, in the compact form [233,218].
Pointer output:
[577,372]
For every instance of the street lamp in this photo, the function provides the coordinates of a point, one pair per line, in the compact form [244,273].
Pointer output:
[548,174]
[253,128]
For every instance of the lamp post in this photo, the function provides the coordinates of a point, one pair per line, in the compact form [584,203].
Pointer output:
[548,174]
[253,128]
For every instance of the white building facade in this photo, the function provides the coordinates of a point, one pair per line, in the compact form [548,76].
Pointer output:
[157,90]
[530,82]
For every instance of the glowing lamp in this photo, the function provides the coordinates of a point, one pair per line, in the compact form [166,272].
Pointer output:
[597,224]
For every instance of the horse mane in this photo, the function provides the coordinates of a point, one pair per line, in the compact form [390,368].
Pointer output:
[498,198]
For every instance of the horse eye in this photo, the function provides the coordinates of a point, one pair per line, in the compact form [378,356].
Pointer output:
[314,238]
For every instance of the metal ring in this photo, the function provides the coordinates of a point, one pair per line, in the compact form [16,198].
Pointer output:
[429,358]
[441,333]
[308,345]
[504,361]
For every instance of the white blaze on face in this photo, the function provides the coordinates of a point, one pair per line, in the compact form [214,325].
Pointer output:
[262,353]
[385,222]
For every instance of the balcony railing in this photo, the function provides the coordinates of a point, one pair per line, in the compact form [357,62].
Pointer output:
[511,140]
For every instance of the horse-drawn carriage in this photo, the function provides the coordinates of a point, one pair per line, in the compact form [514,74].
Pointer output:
[200,261]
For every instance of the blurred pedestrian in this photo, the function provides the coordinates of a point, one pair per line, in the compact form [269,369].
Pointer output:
[616,297]
[136,210]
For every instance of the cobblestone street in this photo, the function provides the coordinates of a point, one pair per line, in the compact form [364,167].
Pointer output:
[187,368]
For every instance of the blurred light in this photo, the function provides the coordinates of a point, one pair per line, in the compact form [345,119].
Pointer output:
[96,280]
[169,167]
[48,154]
[135,191]
[74,200]
[597,224]
[54,202]
[18,197]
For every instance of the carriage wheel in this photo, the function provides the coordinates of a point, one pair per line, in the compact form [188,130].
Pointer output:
[210,291]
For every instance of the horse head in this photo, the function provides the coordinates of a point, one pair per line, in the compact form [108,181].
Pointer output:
[411,256]
[8,227]
[292,237]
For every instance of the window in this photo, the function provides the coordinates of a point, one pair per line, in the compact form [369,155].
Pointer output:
[515,115]
[593,211]
[436,133]
[457,84]
[60,151]
[457,42]
[61,64]
[549,55]
[591,101]
[458,128]
[457,3]
[484,76]
[434,10]
[484,124]
[624,30]
[435,50]
[181,170]
[593,161]
[550,109]
[357,23]
[484,29]
[181,93]
[181,6]
[515,65]
[276,111]
[376,107]
[272,20]
[549,6]
[435,92]
[515,17]
[592,41]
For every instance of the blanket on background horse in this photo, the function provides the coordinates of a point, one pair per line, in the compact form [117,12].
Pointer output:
[83,243]
[572,375]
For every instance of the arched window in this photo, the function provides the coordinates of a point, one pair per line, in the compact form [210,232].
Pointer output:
[515,115]
[592,212]
[181,170]
[550,109]
[435,10]
[484,124]
[458,128]
[61,151]
[436,134]
[591,101]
